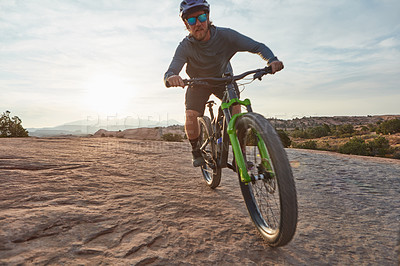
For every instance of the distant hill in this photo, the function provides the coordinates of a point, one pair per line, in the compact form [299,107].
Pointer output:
[306,122]
[155,133]
[91,126]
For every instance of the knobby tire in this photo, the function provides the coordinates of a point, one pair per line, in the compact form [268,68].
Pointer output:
[271,203]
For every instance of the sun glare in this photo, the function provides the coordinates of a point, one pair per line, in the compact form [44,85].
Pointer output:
[108,94]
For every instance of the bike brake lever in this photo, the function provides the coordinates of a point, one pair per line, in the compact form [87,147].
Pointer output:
[262,72]
[259,75]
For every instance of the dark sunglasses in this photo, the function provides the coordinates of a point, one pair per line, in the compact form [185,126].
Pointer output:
[191,21]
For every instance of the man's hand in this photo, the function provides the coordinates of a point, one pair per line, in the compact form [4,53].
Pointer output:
[276,66]
[175,81]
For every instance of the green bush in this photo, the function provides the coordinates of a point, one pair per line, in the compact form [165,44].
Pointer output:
[172,137]
[251,139]
[379,146]
[372,127]
[311,145]
[297,133]
[344,130]
[396,155]
[389,127]
[312,132]
[284,138]
[318,132]
[355,146]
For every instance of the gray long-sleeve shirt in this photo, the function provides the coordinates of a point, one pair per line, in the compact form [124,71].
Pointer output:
[211,58]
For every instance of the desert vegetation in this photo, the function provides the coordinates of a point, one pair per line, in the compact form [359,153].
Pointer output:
[373,139]
[11,126]
[172,137]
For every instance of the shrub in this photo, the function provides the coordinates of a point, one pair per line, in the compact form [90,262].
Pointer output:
[299,134]
[363,130]
[389,127]
[312,132]
[251,139]
[172,137]
[344,130]
[311,145]
[284,138]
[379,146]
[396,155]
[318,132]
[372,127]
[355,146]
[327,128]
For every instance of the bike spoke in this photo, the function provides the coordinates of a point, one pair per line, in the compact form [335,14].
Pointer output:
[204,145]
[267,205]
[266,199]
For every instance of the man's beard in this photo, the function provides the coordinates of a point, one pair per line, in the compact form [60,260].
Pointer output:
[201,34]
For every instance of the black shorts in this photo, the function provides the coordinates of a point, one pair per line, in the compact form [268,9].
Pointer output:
[197,97]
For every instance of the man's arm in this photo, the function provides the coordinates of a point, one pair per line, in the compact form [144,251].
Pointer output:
[244,43]
[171,77]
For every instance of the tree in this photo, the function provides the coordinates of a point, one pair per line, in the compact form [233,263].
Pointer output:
[11,127]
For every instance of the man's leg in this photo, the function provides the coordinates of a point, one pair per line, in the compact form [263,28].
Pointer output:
[236,109]
[191,125]
[193,133]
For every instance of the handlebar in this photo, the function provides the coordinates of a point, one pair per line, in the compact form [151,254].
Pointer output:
[258,74]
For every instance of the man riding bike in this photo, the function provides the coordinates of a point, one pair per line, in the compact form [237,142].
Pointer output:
[207,51]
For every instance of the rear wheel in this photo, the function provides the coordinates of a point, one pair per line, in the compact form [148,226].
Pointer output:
[208,147]
[270,201]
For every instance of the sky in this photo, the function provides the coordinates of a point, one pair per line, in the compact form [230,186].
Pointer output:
[62,61]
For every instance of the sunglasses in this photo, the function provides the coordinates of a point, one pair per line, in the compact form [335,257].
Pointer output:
[191,21]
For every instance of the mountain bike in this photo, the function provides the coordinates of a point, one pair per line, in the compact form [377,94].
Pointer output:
[260,161]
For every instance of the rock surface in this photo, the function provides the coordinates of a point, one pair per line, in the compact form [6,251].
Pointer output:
[122,201]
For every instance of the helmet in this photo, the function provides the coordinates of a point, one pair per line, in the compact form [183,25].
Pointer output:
[190,6]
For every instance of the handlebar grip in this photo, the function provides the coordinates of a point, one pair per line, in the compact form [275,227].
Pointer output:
[268,69]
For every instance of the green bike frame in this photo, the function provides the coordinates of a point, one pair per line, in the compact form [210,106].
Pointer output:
[266,161]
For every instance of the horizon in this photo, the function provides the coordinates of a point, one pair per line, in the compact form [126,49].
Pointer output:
[115,121]
[66,61]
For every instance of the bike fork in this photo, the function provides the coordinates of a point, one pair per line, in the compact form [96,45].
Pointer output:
[265,169]
[230,121]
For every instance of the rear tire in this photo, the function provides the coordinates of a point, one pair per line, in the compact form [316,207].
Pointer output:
[208,146]
[271,202]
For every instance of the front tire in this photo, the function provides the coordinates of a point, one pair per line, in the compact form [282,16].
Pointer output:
[272,201]
[208,146]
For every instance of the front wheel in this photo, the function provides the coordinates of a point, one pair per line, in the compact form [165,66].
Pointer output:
[271,198]
[208,147]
